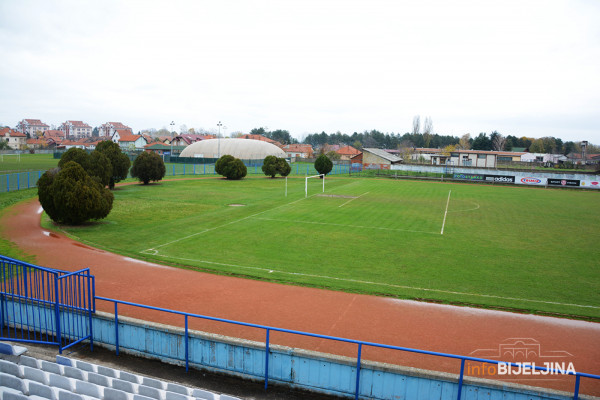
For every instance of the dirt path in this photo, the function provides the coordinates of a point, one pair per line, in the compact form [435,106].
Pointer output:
[442,328]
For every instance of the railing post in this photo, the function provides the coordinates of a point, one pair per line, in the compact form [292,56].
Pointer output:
[460,380]
[187,363]
[89,282]
[357,390]
[267,360]
[57,314]
[117,327]
[576,391]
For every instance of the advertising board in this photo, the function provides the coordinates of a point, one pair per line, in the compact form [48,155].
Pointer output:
[563,182]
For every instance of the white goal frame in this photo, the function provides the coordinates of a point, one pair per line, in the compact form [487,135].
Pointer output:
[11,154]
[306,183]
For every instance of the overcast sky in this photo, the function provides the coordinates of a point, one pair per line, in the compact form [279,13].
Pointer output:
[526,68]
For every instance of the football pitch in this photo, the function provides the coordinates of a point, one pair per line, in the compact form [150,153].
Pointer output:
[519,248]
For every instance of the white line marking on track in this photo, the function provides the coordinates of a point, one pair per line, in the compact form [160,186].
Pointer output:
[446,213]
[353,199]
[379,283]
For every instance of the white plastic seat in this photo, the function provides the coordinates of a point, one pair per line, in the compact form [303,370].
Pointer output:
[41,391]
[85,366]
[88,389]
[129,377]
[8,381]
[177,388]
[151,392]
[75,373]
[124,386]
[154,383]
[115,394]
[107,371]
[36,375]
[30,362]
[61,382]
[177,396]
[204,394]
[11,368]
[11,350]
[52,367]
[101,380]
[227,397]
[10,395]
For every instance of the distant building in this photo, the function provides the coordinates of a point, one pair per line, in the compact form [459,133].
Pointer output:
[108,129]
[16,140]
[347,152]
[298,150]
[76,129]
[128,141]
[33,127]
[187,139]
[262,139]
[376,159]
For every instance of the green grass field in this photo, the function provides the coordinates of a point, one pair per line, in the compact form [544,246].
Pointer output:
[27,162]
[519,248]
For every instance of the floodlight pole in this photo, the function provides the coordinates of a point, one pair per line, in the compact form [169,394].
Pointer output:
[172,125]
[219,140]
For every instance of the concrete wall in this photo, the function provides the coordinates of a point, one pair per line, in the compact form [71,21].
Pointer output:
[298,368]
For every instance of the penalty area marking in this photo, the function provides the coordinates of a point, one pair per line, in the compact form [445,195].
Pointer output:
[353,199]
[270,271]
[446,213]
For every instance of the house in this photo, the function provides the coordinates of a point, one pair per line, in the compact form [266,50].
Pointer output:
[187,139]
[32,127]
[108,129]
[261,138]
[69,144]
[76,129]
[298,150]
[54,134]
[543,158]
[347,152]
[16,140]
[127,141]
[37,143]
[165,139]
[376,159]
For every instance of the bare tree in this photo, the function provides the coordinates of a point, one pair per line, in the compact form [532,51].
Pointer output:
[416,125]
[427,131]
[465,141]
[498,142]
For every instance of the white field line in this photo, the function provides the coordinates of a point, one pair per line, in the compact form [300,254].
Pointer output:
[343,225]
[154,250]
[446,213]
[477,207]
[379,283]
[353,199]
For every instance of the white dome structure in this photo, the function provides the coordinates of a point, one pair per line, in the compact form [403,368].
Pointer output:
[244,149]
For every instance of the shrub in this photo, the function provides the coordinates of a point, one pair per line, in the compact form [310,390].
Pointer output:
[323,164]
[148,167]
[97,165]
[283,167]
[119,161]
[80,156]
[230,167]
[71,196]
[269,166]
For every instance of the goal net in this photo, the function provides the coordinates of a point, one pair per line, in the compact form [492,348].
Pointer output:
[312,177]
[17,156]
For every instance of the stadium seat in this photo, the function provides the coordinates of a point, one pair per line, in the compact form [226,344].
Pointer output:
[11,368]
[11,350]
[34,374]
[30,362]
[126,376]
[52,367]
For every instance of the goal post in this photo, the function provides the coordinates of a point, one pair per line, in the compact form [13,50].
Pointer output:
[11,154]
[322,176]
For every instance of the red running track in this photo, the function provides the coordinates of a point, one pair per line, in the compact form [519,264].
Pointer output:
[441,328]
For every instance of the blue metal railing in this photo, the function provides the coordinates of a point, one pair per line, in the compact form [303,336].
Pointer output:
[43,305]
[360,344]
[19,181]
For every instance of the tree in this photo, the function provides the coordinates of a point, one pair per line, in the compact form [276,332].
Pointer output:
[79,156]
[498,141]
[482,142]
[70,196]
[119,161]
[100,168]
[323,164]
[148,167]
[427,131]
[465,141]
[230,167]
[269,166]
[416,125]
[4,145]
[283,167]
[537,146]
[333,155]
